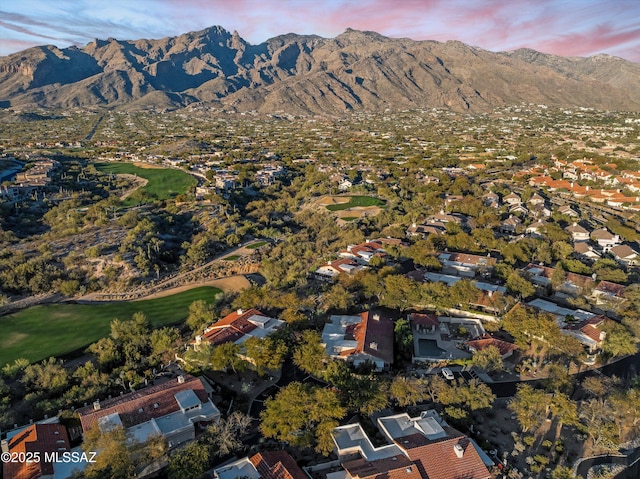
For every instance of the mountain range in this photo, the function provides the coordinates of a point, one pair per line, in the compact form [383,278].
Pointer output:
[308,74]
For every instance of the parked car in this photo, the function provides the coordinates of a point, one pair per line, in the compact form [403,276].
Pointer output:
[447,373]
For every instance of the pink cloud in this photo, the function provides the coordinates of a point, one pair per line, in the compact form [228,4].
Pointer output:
[599,39]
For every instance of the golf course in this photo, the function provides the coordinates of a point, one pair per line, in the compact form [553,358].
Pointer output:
[52,330]
[162,183]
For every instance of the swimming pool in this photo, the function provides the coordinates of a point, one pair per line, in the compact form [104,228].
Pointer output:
[428,348]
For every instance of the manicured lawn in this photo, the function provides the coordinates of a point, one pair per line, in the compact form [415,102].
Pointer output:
[233,257]
[356,201]
[349,218]
[164,183]
[52,330]
[257,245]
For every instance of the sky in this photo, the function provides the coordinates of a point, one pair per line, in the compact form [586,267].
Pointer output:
[561,27]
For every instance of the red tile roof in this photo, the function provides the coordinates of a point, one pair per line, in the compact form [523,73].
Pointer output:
[420,319]
[231,328]
[613,289]
[396,467]
[38,438]
[503,346]
[438,460]
[139,406]
[374,337]
[277,465]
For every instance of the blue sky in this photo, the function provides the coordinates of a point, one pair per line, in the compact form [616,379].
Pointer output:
[562,27]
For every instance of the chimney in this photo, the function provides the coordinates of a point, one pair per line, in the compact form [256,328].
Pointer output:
[180,379]
[373,345]
[96,405]
[376,317]
[458,450]
[239,311]
[5,445]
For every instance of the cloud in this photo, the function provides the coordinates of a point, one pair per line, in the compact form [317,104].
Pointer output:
[569,27]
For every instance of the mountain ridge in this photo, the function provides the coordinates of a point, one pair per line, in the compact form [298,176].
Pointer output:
[309,74]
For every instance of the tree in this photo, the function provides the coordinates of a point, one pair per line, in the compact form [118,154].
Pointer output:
[488,358]
[310,355]
[164,343]
[200,315]
[406,391]
[563,472]
[302,416]
[227,356]
[403,338]
[48,376]
[530,406]
[519,286]
[267,354]
[190,461]
[337,298]
[115,460]
[618,341]
[226,434]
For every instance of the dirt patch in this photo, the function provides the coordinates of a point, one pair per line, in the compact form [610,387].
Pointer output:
[12,338]
[231,283]
[138,182]
[359,212]
[333,200]
[149,166]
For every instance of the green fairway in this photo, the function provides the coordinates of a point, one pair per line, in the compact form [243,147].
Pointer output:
[163,183]
[356,201]
[257,245]
[52,330]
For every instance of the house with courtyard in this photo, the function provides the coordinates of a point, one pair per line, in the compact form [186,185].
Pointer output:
[422,447]
[332,269]
[437,338]
[237,327]
[466,264]
[173,409]
[506,348]
[360,339]
[266,465]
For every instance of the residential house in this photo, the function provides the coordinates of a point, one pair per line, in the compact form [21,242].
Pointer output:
[567,210]
[506,349]
[573,284]
[541,211]
[512,199]
[363,253]
[510,225]
[332,269]
[605,239]
[606,291]
[625,254]
[585,251]
[363,338]
[171,409]
[491,200]
[264,465]
[239,326]
[422,447]
[465,264]
[535,229]
[588,331]
[577,232]
[37,440]
[536,199]
[424,230]
[518,208]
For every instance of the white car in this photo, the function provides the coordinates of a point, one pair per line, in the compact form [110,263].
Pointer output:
[446,372]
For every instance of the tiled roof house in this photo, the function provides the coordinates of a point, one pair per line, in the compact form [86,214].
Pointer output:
[264,465]
[238,326]
[422,447]
[171,409]
[358,339]
[37,439]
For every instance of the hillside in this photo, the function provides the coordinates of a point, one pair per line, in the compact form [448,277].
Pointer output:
[308,74]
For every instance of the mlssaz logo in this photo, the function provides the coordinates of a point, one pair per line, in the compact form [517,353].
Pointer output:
[70,456]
